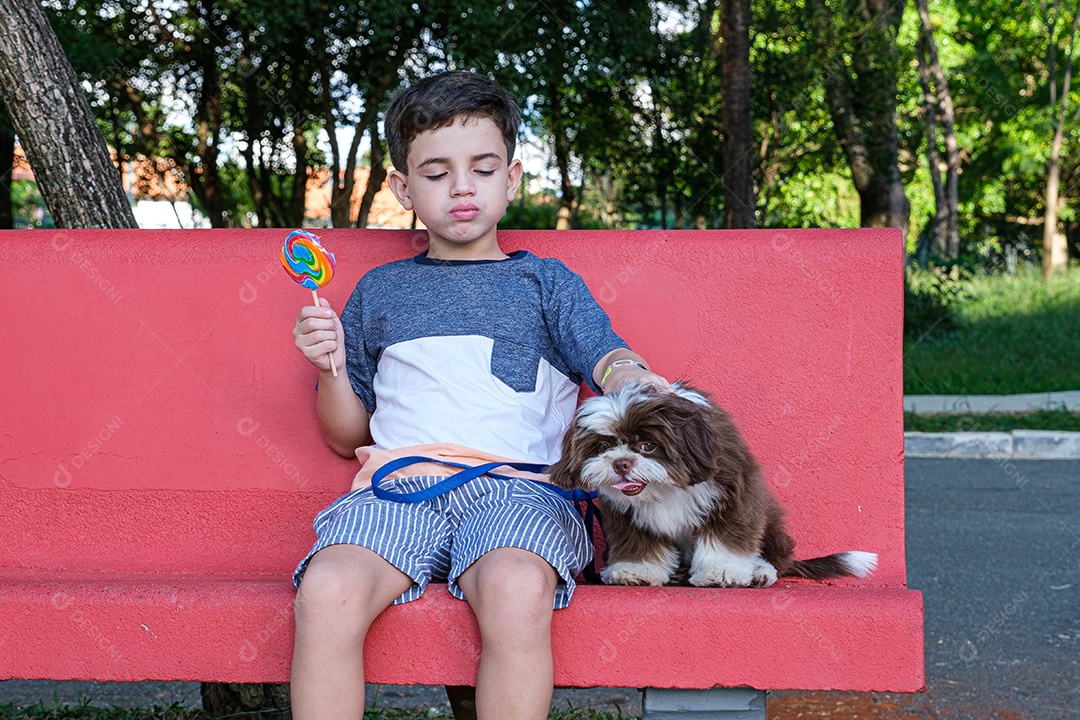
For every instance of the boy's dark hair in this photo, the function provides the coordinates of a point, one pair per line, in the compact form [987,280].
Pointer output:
[437,101]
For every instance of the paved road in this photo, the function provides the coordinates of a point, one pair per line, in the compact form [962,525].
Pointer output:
[995,547]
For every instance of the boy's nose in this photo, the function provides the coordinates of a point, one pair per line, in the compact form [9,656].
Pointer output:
[463,185]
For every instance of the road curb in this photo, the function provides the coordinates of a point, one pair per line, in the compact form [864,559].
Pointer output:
[990,404]
[1018,444]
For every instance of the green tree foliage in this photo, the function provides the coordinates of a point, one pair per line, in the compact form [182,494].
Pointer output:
[998,57]
[271,103]
[860,65]
[802,176]
[364,50]
[179,82]
[246,99]
[577,70]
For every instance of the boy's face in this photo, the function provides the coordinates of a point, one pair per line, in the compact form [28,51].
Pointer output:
[459,184]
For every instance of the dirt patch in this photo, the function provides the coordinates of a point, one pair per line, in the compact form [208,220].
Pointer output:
[873,706]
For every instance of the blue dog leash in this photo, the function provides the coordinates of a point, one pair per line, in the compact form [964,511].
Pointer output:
[468,473]
[471,472]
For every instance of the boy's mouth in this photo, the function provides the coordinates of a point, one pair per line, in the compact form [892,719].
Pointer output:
[464,211]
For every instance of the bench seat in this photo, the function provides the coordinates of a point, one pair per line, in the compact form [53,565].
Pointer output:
[161,463]
[168,627]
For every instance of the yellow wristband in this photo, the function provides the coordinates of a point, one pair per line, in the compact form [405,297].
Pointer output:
[619,363]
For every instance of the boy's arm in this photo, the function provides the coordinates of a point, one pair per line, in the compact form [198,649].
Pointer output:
[610,376]
[342,415]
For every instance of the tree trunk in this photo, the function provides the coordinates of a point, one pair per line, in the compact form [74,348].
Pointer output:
[341,207]
[342,181]
[937,234]
[564,215]
[739,200]
[1055,245]
[339,210]
[663,170]
[255,189]
[7,167]
[56,128]
[862,103]
[562,161]
[952,149]
[376,175]
[575,212]
[208,116]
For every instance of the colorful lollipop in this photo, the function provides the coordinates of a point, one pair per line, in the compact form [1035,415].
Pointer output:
[309,264]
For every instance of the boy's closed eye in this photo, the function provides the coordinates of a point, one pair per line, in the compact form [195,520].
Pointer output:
[441,175]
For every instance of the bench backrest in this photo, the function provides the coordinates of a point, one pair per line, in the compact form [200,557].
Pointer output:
[156,418]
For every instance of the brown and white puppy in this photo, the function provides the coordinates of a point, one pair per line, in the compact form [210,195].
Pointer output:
[681,494]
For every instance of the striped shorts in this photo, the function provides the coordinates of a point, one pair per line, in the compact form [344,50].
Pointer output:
[439,539]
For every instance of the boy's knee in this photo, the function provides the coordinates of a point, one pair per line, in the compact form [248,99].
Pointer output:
[516,584]
[332,597]
[323,593]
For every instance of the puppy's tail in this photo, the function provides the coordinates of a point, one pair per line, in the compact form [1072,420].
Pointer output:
[846,564]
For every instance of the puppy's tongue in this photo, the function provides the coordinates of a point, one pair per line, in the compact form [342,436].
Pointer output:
[629,487]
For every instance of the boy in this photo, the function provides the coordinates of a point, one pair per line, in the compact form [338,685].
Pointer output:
[463,345]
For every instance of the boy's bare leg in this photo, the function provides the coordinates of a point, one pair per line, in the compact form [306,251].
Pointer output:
[343,590]
[511,592]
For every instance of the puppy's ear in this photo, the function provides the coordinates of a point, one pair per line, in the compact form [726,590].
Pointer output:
[731,461]
[703,433]
[566,472]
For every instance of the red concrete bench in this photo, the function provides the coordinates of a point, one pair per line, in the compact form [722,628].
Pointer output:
[160,461]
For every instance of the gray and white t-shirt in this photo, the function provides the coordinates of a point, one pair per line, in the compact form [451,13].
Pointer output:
[487,354]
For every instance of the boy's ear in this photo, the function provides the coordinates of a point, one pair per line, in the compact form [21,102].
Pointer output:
[399,185]
[514,180]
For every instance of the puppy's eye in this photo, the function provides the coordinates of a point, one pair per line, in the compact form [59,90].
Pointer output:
[604,446]
[647,447]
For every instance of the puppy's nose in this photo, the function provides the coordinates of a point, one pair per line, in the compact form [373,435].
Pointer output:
[623,465]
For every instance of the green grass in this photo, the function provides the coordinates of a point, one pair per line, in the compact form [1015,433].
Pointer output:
[85,711]
[401,714]
[1038,420]
[1009,334]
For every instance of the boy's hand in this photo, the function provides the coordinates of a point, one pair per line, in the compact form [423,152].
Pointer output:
[622,366]
[317,333]
[624,375]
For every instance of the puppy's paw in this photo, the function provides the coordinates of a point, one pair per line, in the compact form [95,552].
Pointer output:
[635,573]
[729,576]
[716,566]
[764,573]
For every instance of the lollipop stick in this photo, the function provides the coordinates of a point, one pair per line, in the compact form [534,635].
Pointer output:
[333,365]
